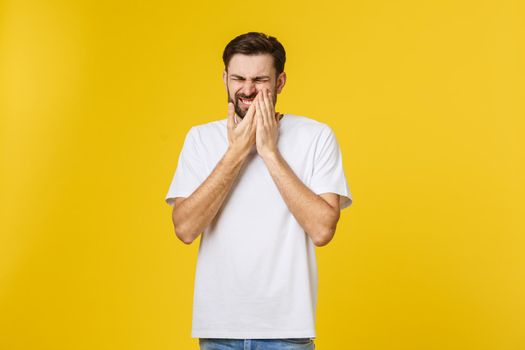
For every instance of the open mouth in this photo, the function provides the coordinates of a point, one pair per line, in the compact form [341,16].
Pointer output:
[246,101]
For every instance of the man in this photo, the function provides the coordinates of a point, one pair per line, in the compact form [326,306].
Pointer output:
[264,188]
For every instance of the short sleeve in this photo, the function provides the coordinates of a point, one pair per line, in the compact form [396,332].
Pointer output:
[328,174]
[190,172]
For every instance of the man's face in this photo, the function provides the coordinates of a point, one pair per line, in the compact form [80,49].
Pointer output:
[246,76]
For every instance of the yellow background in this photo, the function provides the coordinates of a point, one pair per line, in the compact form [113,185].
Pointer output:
[426,99]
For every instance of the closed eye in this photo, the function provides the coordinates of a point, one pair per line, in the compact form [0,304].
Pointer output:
[257,80]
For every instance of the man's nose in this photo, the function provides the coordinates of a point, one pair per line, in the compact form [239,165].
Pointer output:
[249,89]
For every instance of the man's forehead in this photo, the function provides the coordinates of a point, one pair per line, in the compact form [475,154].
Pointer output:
[251,66]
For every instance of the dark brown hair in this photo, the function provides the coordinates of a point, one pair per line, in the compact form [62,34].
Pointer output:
[254,43]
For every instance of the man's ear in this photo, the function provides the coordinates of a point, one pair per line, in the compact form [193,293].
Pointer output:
[281,80]
[224,77]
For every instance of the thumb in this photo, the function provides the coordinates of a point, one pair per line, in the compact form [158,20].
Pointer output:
[231,115]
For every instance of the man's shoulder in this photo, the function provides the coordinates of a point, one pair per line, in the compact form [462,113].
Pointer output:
[304,120]
[304,126]
[207,129]
[211,125]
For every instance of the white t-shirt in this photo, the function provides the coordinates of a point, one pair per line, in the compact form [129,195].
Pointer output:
[256,274]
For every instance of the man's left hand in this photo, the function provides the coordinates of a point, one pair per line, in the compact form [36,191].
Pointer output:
[267,132]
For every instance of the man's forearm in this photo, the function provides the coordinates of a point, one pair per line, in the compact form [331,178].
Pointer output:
[312,212]
[196,212]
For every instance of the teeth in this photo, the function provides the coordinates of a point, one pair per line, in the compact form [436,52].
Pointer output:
[247,102]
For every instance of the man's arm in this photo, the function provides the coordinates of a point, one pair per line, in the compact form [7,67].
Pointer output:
[317,214]
[193,214]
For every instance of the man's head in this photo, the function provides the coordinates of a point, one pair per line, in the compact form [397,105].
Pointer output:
[253,61]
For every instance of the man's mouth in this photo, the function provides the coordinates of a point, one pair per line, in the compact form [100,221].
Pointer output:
[246,101]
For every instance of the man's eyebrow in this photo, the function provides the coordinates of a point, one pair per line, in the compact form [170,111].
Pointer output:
[257,77]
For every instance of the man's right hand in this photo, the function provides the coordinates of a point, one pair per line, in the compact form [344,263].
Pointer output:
[194,213]
[241,132]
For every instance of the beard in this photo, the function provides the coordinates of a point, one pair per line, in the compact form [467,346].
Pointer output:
[237,103]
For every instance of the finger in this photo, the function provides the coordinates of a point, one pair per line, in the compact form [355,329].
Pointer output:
[231,116]
[259,109]
[269,112]
[260,123]
[270,98]
[254,105]
[265,114]
[250,113]
[254,118]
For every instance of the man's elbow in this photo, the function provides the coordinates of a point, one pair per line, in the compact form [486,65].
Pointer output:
[326,232]
[185,231]
[183,235]
[324,237]
[180,230]
[185,239]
